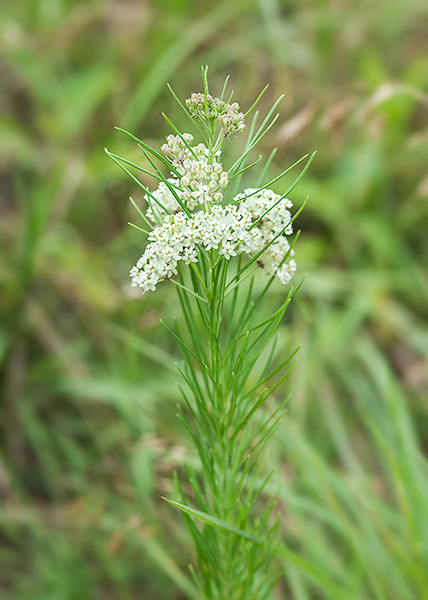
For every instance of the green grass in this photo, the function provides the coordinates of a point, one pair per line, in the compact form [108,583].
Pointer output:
[89,435]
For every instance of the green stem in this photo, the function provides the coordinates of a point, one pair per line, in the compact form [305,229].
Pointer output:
[227,480]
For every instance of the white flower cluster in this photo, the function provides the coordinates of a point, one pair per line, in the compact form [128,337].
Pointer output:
[195,182]
[209,108]
[222,229]
[232,120]
[257,221]
[271,213]
[181,153]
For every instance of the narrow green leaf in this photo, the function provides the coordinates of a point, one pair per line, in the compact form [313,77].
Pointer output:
[215,522]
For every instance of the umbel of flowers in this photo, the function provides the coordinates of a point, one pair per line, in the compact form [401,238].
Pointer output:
[188,212]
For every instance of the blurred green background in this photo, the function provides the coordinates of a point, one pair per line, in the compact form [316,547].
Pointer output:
[89,435]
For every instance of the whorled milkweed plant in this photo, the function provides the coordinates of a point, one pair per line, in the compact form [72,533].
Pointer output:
[223,249]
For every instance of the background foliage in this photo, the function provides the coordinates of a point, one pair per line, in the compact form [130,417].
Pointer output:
[89,434]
